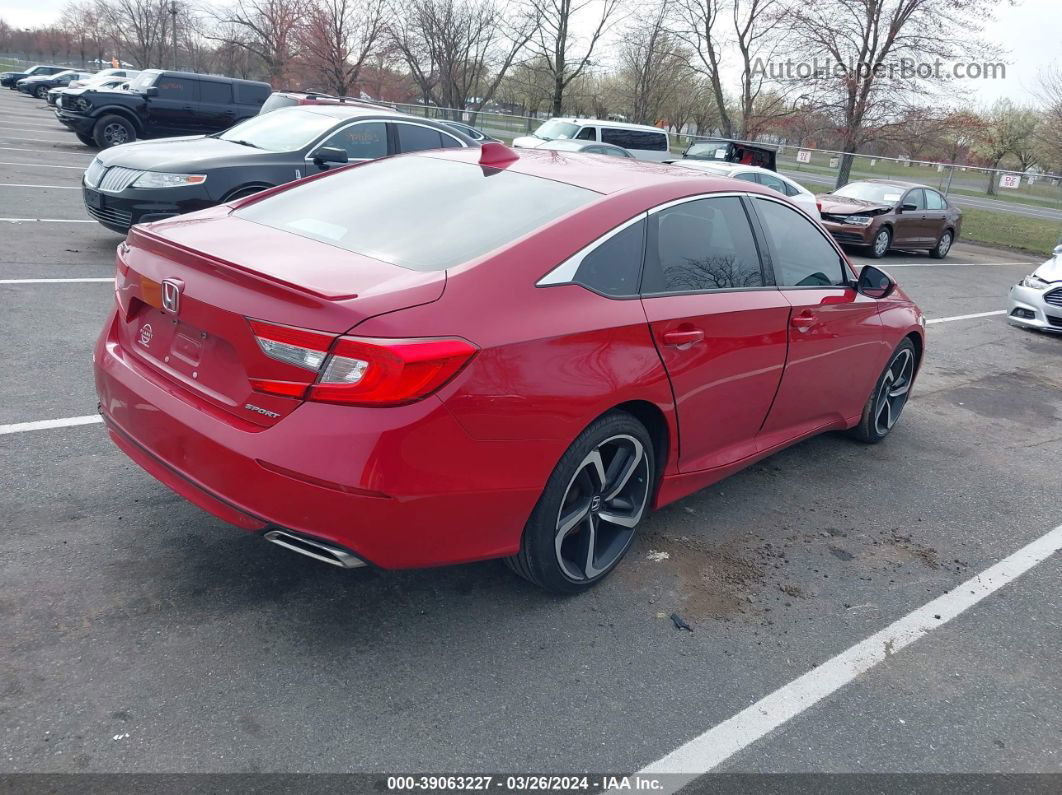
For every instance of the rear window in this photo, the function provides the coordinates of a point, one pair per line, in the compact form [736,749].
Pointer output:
[460,211]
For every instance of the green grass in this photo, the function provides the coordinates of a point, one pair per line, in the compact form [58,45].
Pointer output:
[1035,235]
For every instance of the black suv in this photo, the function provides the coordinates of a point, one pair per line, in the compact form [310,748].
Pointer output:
[9,79]
[160,104]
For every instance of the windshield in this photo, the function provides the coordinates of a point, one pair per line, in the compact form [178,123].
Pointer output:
[708,151]
[144,80]
[870,192]
[555,128]
[460,211]
[284,130]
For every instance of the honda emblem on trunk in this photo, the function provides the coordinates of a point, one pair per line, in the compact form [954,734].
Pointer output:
[171,295]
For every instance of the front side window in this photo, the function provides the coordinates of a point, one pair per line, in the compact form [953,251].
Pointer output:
[801,256]
[706,244]
[284,130]
[916,197]
[747,176]
[587,134]
[614,267]
[365,141]
[460,211]
[773,183]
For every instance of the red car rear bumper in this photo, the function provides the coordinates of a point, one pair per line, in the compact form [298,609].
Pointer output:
[399,487]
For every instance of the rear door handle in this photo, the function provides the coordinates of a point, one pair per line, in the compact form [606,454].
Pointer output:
[684,338]
[803,322]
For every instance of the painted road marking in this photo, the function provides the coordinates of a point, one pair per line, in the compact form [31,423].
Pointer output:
[40,165]
[951,264]
[48,220]
[966,317]
[715,746]
[47,187]
[40,425]
[56,281]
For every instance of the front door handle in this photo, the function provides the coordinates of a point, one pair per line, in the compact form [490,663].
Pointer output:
[684,338]
[803,321]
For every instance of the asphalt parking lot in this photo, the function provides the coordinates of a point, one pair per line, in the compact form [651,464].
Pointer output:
[139,634]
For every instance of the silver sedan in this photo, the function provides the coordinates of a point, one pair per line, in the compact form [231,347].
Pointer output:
[1036,301]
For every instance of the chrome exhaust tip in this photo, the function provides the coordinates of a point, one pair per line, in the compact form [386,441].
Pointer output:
[314,549]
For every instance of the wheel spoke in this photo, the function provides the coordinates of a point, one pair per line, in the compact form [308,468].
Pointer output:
[626,466]
[571,520]
[589,570]
[596,466]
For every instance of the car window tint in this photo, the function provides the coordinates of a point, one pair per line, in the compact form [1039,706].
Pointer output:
[251,93]
[934,201]
[212,91]
[801,256]
[171,87]
[773,183]
[587,134]
[371,209]
[634,139]
[746,176]
[917,197]
[366,141]
[414,138]
[705,244]
[449,142]
[790,189]
[614,267]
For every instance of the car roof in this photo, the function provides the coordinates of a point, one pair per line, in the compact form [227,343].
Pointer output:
[623,125]
[604,174]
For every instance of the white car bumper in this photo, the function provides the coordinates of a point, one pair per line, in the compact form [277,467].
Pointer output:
[1029,308]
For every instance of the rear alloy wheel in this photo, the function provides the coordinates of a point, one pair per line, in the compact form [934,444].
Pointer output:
[890,395]
[113,131]
[40,92]
[586,518]
[943,246]
[882,241]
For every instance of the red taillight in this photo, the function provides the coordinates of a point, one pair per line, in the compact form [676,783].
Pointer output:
[818,205]
[360,370]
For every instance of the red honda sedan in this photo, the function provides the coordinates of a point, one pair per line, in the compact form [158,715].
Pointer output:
[460,355]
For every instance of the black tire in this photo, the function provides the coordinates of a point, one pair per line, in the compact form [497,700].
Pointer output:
[109,131]
[901,369]
[597,522]
[40,92]
[87,140]
[943,246]
[877,249]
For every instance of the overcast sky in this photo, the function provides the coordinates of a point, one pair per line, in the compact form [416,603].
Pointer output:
[1029,31]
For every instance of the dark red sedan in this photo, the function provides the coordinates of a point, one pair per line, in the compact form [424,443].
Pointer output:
[461,355]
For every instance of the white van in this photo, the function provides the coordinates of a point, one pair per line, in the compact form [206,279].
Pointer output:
[642,141]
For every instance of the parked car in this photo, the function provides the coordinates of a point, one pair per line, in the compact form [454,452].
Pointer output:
[642,141]
[797,193]
[1036,301]
[589,147]
[105,74]
[10,79]
[39,85]
[160,104]
[727,151]
[150,180]
[287,99]
[403,363]
[471,132]
[107,84]
[882,214]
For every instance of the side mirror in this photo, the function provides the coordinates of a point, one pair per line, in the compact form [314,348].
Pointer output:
[330,154]
[874,283]
[908,207]
[151,91]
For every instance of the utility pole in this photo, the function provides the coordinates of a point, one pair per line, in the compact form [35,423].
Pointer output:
[173,12]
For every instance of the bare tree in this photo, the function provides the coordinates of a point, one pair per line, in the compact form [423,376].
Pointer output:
[458,51]
[140,28]
[338,37]
[1049,133]
[557,46]
[653,67]
[868,43]
[264,28]
[1007,129]
[701,28]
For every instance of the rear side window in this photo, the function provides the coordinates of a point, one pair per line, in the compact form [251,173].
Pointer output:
[415,138]
[211,91]
[172,87]
[253,94]
[746,176]
[934,201]
[614,268]
[460,211]
[701,245]
[801,256]
[634,139]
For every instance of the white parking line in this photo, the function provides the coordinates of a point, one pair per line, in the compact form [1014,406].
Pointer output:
[38,139]
[56,281]
[41,165]
[47,220]
[48,187]
[719,743]
[44,152]
[40,425]
[966,317]
[951,264]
